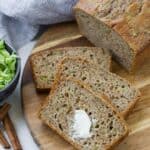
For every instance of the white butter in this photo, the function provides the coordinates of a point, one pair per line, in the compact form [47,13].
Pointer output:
[81,125]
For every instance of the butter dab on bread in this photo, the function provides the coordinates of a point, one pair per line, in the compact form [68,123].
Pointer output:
[81,125]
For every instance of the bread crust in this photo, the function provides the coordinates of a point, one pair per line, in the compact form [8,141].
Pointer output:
[132,24]
[103,98]
[33,74]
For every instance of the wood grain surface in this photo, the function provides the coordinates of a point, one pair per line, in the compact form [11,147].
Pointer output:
[67,34]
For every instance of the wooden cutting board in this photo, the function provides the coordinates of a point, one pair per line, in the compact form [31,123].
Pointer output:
[67,34]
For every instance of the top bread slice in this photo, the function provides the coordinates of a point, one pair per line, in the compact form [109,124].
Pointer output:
[44,63]
[121,26]
[120,92]
[68,98]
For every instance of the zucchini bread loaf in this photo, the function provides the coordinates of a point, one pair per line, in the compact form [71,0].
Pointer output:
[121,94]
[44,63]
[121,26]
[86,121]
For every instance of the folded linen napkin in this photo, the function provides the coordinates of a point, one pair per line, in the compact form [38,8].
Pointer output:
[20,19]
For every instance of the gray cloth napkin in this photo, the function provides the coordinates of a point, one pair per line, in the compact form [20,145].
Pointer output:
[20,19]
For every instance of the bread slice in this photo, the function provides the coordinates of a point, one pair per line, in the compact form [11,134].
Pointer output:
[83,119]
[122,95]
[117,25]
[44,63]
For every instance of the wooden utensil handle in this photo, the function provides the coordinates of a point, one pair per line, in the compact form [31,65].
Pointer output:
[11,133]
[4,110]
[3,141]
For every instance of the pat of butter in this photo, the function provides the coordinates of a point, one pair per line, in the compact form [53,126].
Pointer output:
[81,125]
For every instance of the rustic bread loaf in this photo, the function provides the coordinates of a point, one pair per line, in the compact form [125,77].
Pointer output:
[123,27]
[81,118]
[44,63]
[122,95]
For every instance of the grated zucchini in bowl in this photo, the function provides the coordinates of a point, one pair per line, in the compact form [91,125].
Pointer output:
[7,66]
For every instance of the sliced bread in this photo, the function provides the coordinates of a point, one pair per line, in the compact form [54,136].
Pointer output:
[83,119]
[44,63]
[122,95]
[121,26]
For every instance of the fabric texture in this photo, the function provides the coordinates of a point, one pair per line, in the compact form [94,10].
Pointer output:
[20,19]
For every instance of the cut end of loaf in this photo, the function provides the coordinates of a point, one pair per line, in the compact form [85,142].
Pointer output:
[103,36]
[58,112]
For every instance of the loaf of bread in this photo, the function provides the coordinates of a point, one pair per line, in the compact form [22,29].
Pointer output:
[121,26]
[120,92]
[44,63]
[86,121]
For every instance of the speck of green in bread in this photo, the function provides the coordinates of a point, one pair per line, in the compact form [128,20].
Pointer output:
[43,77]
[7,66]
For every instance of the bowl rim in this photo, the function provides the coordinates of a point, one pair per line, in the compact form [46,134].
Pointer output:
[18,68]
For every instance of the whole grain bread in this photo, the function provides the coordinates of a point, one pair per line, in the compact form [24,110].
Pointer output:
[44,63]
[67,97]
[119,91]
[117,25]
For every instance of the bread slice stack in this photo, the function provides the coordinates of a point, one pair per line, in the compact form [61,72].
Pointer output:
[87,103]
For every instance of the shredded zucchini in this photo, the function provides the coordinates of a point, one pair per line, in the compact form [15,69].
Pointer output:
[7,66]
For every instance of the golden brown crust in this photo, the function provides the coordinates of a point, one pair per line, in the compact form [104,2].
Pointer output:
[125,113]
[38,53]
[141,59]
[135,26]
[132,24]
[56,85]
[32,70]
